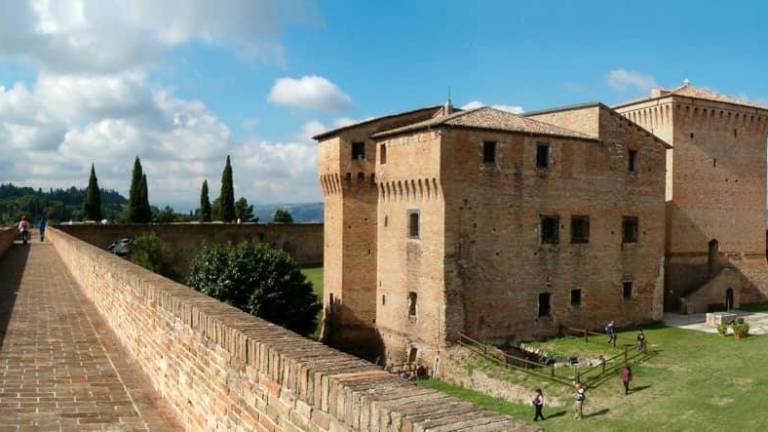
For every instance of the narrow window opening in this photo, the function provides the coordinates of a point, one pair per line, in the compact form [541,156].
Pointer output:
[412,297]
[576,297]
[386,221]
[629,229]
[735,132]
[413,224]
[358,150]
[714,163]
[489,152]
[545,308]
[550,229]
[691,135]
[579,229]
[632,162]
[383,299]
[383,154]
[542,156]
[413,353]
[627,290]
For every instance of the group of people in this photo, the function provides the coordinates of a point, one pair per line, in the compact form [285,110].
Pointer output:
[610,330]
[24,229]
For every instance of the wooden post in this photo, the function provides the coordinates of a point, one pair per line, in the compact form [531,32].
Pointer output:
[578,376]
[602,361]
[552,371]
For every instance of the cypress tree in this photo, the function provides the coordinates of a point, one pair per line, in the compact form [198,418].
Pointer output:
[134,205]
[92,203]
[144,214]
[227,197]
[205,203]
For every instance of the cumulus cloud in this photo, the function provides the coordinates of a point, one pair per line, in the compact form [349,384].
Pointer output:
[114,35]
[621,80]
[309,92]
[514,109]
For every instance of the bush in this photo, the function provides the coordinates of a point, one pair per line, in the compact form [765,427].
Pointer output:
[740,330]
[257,279]
[149,252]
[722,329]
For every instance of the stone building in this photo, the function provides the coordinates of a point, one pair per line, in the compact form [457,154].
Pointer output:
[716,195]
[441,222]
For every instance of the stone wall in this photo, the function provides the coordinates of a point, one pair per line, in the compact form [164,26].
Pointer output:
[221,369]
[304,242]
[7,236]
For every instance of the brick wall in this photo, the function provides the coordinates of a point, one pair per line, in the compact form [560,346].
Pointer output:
[304,242]
[221,369]
[7,236]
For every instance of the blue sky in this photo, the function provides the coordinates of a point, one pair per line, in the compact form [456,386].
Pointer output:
[255,79]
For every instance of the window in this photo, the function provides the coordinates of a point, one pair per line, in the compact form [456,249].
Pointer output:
[383,154]
[412,304]
[386,221]
[383,300]
[632,161]
[358,150]
[576,297]
[629,229]
[413,353]
[550,229]
[489,152]
[545,309]
[579,229]
[627,290]
[542,156]
[413,224]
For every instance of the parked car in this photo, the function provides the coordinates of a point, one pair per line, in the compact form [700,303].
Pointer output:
[121,247]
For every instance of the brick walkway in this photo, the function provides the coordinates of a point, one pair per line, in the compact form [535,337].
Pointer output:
[61,368]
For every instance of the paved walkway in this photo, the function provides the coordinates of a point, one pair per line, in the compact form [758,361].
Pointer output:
[758,322]
[61,368]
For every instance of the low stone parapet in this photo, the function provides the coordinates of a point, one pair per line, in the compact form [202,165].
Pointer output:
[222,369]
[7,236]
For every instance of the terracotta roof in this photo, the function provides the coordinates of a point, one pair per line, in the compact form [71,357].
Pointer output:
[428,111]
[687,90]
[489,118]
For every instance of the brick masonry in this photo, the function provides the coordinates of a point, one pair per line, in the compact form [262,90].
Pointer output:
[304,242]
[221,369]
[7,235]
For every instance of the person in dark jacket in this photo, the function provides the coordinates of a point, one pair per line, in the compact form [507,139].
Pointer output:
[538,405]
[41,227]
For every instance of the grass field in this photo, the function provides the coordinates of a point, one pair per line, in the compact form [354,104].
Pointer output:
[694,382]
[315,276]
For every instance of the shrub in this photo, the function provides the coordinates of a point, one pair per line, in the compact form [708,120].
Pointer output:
[740,330]
[257,279]
[722,329]
[149,252]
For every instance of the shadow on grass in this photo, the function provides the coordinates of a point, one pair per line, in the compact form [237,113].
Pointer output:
[557,414]
[603,411]
[638,389]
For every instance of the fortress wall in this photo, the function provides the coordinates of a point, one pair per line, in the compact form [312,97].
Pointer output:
[7,236]
[222,369]
[304,242]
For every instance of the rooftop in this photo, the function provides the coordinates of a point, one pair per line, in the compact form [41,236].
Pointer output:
[688,90]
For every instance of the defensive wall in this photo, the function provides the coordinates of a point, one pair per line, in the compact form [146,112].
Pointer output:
[221,369]
[7,236]
[304,242]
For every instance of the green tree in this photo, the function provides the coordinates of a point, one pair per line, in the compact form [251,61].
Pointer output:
[149,252]
[166,215]
[205,203]
[143,210]
[282,216]
[257,279]
[227,197]
[243,211]
[92,203]
[134,200]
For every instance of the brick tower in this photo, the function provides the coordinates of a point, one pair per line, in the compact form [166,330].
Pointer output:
[715,193]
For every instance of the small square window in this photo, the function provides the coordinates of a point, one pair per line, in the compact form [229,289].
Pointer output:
[627,290]
[542,156]
[489,152]
[550,229]
[358,150]
[579,229]
[632,161]
[413,224]
[629,229]
[383,154]
[576,297]
[545,308]
[412,297]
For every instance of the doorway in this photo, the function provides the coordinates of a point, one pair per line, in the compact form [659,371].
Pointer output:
[729,299]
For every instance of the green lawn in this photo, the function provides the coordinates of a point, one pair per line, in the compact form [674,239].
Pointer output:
[315,276]
[694,382]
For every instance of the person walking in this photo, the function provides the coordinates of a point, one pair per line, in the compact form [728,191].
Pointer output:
[538,405]
[41,227]
[24,229]
[578,406]
[641,341]
[610,330]
[626,377]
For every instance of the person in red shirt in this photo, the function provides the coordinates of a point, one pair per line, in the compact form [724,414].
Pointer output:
[626,377]
[24,229]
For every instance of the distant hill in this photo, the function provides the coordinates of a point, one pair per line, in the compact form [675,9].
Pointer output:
[55,204]
[302,213]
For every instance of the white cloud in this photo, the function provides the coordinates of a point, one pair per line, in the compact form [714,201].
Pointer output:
[621,80]
[114,35]
[309,92]
[514,109]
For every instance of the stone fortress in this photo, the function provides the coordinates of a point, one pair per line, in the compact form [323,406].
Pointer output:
[441,222]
